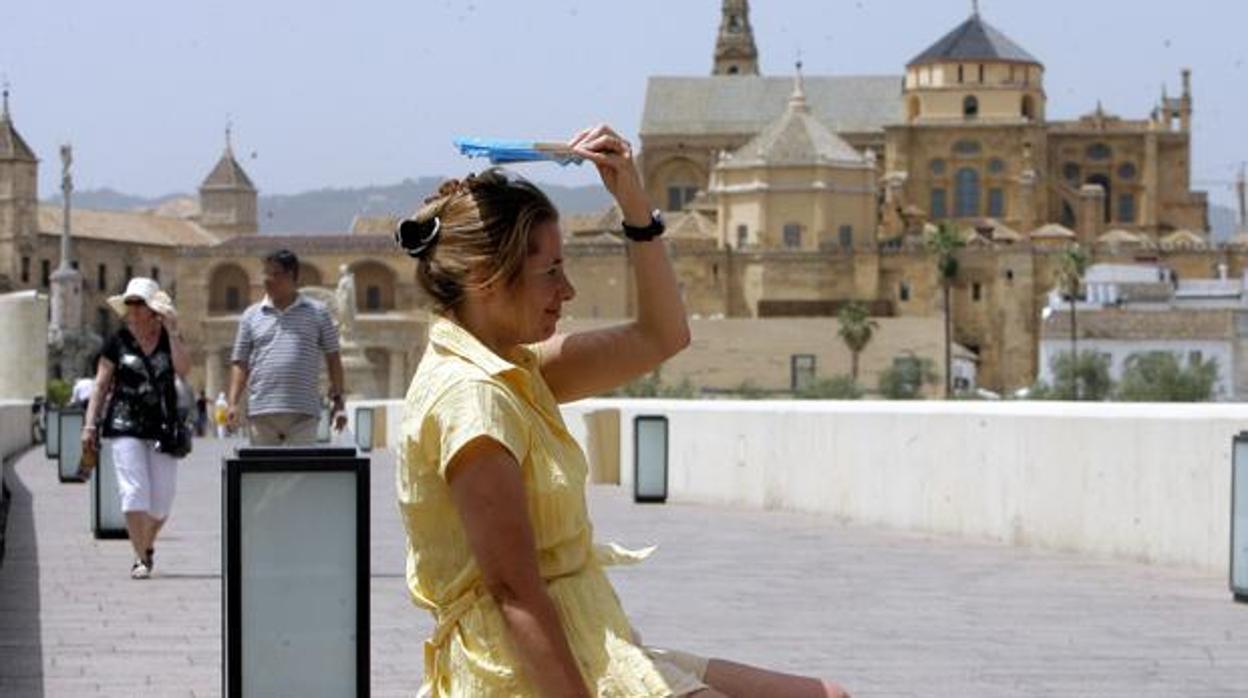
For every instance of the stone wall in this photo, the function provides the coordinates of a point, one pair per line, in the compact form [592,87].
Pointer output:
[725,354]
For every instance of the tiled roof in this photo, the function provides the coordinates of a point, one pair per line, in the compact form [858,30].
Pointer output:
[745,104]
[1127,324]
[123,226]
[690,225]
[974,40]
[306,244]
[1183,238]
[1053,231]
[12,147]
[228,174]
[1119,236]
[374,225]
[796,137]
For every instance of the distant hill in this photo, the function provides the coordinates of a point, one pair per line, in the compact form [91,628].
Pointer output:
[329,211]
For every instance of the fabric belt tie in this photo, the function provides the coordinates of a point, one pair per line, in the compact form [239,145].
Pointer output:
[447,618]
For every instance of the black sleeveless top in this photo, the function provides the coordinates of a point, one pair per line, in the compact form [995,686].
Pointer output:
[143,388]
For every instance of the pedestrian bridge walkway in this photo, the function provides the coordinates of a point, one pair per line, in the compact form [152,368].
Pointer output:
[888,614]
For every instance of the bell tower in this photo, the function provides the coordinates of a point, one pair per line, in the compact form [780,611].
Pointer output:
[735,52]
[19,176]
[227,198]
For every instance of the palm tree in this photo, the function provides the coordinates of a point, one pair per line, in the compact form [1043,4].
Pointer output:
[1071,265]
[945,243]
[856,329]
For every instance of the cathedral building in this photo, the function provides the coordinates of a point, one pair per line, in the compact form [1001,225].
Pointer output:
[820,189]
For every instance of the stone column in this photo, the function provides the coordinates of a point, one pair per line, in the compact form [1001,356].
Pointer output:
[1149,207]
[1027,202]
[398,374]
[1091,212]
[215,375]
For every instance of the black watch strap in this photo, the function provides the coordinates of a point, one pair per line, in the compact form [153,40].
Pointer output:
[646,233]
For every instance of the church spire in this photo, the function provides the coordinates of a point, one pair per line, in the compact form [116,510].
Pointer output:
[735,52]
[797,100]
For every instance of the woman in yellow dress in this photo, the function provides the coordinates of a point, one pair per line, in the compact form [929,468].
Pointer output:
[491,485]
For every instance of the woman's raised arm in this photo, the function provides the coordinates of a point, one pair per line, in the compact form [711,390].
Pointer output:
[589,363]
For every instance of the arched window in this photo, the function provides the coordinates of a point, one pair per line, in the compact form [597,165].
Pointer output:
[374,287]
[1099,151]
[970,107]
[1126,208]
[681,180]
[792,236]
[966,193]
[732,70]
[940,208]
[1103,181]
[1068,215]
[229,290]
[1029,107]
[915,108]
[1072,172]
[967,147]
[309,275]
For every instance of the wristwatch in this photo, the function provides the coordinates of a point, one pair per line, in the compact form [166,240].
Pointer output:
[646,233]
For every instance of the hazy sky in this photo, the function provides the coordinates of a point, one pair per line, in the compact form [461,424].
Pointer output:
[369,92]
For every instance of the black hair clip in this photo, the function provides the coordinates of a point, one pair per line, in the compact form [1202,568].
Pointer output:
[417,238]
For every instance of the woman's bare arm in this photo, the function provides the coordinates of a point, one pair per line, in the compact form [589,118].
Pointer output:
[488,492]
[588,363]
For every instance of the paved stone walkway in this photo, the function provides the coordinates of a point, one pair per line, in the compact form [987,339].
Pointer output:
[889,614]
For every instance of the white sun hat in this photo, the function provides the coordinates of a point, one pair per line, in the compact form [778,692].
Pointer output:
[146,290]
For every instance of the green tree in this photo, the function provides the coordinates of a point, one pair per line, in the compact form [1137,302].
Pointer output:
[904,380]
[748,390]
[1084,379]
[652,385]
[1157,376]
[856,330]
[945,243]
[1071,266]
[58,392]
[835,388]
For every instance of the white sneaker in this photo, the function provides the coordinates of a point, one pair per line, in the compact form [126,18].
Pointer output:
[139,570]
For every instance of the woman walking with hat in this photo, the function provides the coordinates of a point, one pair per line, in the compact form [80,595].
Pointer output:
[136,380]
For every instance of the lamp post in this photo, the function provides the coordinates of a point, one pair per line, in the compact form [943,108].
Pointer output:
[1239,517]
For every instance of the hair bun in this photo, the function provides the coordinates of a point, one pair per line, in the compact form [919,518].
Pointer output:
[417,237]
[449,188]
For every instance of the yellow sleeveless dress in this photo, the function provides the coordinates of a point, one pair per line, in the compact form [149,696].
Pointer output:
[461,391]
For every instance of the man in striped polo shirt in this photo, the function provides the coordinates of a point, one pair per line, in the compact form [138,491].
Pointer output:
[277,354]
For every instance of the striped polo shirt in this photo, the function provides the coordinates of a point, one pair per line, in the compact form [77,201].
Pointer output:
[283,351]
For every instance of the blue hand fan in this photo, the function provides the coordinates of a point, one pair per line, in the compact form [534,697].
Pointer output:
[502,152]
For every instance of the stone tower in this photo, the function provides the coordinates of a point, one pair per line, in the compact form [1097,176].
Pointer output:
[19,177]
[735,52]
[227,198]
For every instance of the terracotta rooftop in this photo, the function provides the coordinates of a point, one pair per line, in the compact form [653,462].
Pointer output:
[124,226]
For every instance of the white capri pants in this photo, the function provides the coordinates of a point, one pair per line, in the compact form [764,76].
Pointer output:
[146,478]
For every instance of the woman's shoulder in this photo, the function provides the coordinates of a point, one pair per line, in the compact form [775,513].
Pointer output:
[116,342]
[450,386]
